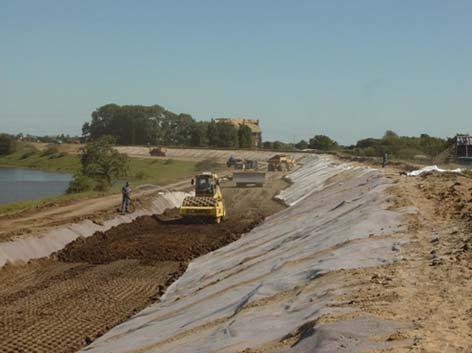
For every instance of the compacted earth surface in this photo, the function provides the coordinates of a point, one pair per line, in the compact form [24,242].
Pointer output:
[62,303]
[429,290]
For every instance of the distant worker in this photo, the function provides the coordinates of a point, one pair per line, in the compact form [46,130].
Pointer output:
[231,161]
[126,193]
[384,159]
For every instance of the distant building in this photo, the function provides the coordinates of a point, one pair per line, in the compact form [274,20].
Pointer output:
[463,148]
[253,124]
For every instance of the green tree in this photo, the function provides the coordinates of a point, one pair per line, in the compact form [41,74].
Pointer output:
[138,124]
[199,134]
[100,163]
[278,145]
[323,143]
[432,146]
[7,144]
[245,136]
[401,146]
[390,133]
[301,145]
[222,135]
[368,142]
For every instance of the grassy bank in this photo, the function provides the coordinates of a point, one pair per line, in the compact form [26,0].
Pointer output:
[157,171]
[48,160]
[141,171]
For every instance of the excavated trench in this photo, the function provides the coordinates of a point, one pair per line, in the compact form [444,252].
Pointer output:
[64,302]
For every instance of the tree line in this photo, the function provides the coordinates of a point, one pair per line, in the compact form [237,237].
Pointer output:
[154,125]
[403,147]
[317,142]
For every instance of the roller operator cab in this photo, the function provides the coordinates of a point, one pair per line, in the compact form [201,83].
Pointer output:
[207,204]
[204,184]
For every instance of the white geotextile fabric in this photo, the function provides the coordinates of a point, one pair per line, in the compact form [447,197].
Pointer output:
[273,280]
[433,168]
[24,248]
[313,178]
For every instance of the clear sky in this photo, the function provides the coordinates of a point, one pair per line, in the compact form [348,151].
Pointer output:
[348,69]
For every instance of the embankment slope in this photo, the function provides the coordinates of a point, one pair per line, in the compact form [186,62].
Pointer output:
[274,289]
[61,303]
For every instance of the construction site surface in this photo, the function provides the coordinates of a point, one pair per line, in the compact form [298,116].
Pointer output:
[331,256]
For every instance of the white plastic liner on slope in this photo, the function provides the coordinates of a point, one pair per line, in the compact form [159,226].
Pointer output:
[433,168]
[33,247]
[312,177]
[271,281]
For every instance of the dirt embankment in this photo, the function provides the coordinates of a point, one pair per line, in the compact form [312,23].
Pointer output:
[150,240]
[62,303]
[430,289]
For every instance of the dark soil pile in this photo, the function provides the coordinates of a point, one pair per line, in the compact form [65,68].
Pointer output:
[150,239]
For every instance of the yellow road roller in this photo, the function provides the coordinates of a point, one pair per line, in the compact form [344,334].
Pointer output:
[207,204]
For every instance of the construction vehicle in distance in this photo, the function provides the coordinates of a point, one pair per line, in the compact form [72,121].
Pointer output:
[207,204]
[243,179]
[158,152]
[236,163]
[251,164]
[239,163]
[280,162]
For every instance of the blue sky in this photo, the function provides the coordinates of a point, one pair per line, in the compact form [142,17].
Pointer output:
[348,69]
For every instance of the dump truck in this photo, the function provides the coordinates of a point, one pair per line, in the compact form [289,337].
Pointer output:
[207,204]
[243,179]
[280,162]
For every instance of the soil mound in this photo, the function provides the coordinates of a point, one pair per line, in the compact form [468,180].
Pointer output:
[151,238]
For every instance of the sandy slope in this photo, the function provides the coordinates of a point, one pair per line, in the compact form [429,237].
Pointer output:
[431,288]
[271,290]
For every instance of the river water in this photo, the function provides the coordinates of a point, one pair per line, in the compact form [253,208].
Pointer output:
[18,184]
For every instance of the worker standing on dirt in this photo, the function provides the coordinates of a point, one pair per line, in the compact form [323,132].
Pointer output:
[126,192]
[384,159]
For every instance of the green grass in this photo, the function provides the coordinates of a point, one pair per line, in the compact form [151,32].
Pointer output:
[142,171]
[158,171]
[27,157]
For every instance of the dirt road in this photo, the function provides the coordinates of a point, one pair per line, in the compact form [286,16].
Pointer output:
[62,303]
[34,221]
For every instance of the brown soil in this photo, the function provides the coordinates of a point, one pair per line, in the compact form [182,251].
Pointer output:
[150,240]
[62,303]
[51,306]
[430,290]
